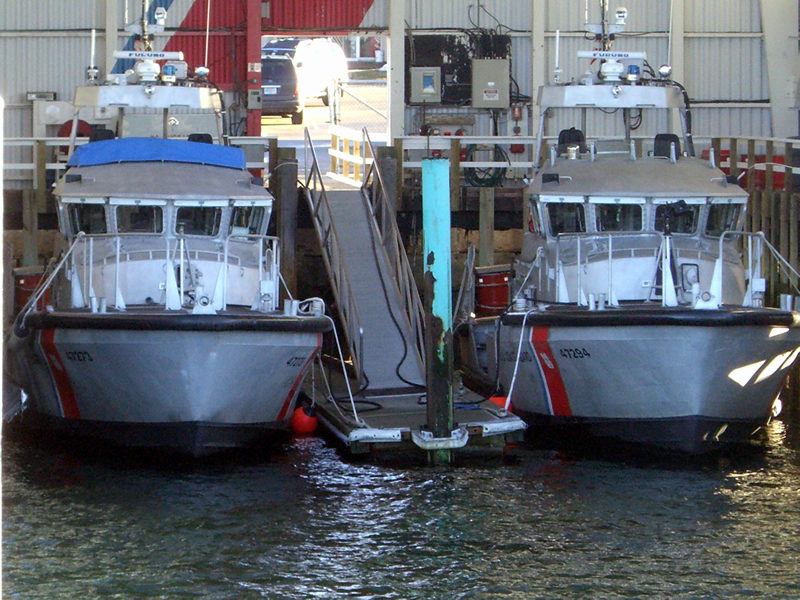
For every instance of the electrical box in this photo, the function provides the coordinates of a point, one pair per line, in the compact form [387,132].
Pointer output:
[253,99]
[491,83]
[426,84]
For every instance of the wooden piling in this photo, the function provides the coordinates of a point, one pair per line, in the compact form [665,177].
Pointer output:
[438,303]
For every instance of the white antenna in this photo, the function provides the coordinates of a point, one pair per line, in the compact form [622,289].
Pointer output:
[208,24]
[669,38]
[557,70]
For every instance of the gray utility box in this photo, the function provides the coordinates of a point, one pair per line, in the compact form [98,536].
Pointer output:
[491,83]
[426,85]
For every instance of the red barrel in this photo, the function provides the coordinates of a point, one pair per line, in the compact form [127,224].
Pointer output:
[491,290]
[26,280]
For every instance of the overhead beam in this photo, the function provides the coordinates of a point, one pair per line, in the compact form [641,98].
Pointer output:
[397,68]
[779,27]
[677,52]
[112,27]
[538,65]
[253,53]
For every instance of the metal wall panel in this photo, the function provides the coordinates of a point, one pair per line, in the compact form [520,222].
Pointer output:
[316,14]
[731,122]
[644,16]
[60,74]
[377,16]
[48,15]
[726,69]
[521,64]
[499,15]
[722,16]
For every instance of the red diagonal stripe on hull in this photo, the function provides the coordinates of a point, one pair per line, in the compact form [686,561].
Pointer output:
[549,368]
[288,401]
[69,405]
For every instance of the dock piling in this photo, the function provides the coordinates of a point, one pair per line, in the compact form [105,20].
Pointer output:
[438,305]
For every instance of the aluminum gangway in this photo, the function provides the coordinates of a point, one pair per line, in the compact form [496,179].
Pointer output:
[375,293]
[382,318]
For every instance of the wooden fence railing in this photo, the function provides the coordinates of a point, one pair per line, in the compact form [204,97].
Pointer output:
[769,170]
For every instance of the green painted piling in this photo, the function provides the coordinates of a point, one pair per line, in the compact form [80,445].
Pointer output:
[438,302]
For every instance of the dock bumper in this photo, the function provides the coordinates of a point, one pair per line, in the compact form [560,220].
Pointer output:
[509,425]
[372,434]
[424,439]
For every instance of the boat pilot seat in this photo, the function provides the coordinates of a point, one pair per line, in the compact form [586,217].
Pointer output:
[100,134]
[662,143]
[571,137]
[203,138]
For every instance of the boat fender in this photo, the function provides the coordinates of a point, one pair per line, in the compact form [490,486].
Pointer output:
[18,337]
[20,330]
[500,401]
[304,420]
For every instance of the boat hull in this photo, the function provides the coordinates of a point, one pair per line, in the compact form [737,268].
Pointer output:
[679,379]
[194,384]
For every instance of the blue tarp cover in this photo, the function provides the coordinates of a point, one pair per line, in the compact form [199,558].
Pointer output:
[156,150]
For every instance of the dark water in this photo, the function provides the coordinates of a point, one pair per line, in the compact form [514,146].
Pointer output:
[301,522]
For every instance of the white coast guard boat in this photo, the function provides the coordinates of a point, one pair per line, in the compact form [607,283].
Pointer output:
[161,326]
[633,315]
[158,323]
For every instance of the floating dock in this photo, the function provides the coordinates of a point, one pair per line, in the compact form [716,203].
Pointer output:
[382,405]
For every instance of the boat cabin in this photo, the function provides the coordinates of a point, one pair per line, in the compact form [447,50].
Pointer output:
[130,206]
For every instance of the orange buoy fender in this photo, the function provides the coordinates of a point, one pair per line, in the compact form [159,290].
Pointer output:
[304,420]
[500,401]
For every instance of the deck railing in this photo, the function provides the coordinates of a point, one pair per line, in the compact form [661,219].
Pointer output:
[88,253]
[580,249]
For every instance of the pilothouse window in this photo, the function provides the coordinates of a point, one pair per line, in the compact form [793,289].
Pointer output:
[618,217]
[88,218]
[139,219]
[680,221]
[567,217]
[199,220]
[247,220]
[721,218]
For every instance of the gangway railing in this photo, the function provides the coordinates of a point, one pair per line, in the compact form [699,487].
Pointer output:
[333,258]
[383,218]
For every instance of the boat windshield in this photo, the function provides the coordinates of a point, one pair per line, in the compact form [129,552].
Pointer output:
[567,217]
[198,220]
[722,218]
[247,220]
[88,218]
[618,217]
[139,219]
[681,222]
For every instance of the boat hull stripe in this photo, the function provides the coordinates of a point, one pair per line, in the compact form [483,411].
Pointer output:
[559,402]
[66,396]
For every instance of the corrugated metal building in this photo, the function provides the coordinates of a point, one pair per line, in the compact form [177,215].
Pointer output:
[718,48]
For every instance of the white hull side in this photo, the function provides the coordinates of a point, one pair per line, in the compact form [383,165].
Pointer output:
[162,378]
[629,374]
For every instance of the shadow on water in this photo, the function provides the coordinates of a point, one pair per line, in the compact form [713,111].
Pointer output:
[88,451]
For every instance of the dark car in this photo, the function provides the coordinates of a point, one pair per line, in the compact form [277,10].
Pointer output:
[319,62]
[280,92]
